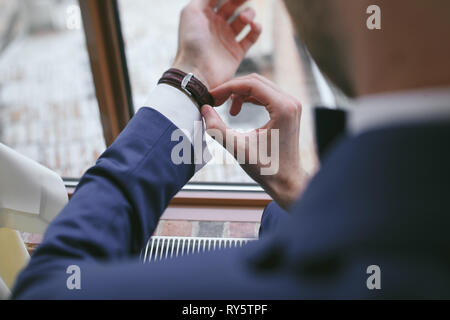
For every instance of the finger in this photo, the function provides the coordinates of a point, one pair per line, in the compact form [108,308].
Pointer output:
[234,142]
[251,37]
[236,106]
[249,86]
[228,9]
[267,82]
[214,122]
[242,20]
[213,3]
[253,100]
[208,3]
[238,102]
[212,119]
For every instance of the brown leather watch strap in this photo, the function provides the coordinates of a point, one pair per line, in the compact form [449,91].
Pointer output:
[189,84]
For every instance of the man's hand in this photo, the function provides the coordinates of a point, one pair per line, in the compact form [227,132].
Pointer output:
[285,115]
[207,43]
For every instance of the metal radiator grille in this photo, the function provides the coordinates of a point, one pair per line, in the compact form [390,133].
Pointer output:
[159,248]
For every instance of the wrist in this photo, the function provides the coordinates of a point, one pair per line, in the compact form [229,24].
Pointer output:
[285,191]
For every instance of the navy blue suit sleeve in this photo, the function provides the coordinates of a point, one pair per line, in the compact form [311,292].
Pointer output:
[118,202]
[272,216]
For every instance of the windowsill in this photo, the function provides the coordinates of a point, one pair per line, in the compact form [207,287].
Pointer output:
[208,203]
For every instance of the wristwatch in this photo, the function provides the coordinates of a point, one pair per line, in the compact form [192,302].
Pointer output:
[189,84]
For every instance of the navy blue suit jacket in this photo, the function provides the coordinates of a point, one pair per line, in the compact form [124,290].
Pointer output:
[381,198]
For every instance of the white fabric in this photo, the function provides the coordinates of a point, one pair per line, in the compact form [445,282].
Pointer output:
[183,113]
[384,110]
[31,196]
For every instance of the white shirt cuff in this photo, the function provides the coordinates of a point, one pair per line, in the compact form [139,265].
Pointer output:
[184,114]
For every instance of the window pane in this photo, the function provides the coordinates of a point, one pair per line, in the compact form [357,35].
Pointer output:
[150,30]
[48,107]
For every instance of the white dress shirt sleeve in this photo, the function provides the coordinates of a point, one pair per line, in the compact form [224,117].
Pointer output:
[184,114]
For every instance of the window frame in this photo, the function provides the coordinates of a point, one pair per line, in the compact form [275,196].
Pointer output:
[105,46]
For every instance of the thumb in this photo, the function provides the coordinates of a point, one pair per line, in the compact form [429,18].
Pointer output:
[213,120]
[215,126]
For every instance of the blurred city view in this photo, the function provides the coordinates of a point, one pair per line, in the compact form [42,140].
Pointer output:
[48,106]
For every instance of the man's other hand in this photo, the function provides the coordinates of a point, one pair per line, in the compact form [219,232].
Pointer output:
[285,185]
[207,44]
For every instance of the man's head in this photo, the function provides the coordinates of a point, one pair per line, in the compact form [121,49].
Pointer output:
[410,51]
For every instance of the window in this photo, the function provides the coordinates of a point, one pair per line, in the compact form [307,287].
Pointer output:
[48,106]
[52,87]
[150,31]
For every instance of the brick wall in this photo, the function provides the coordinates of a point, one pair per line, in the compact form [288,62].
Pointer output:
[207,229]
[179,228]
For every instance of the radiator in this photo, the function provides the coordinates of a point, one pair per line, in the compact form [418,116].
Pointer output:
[159,248]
